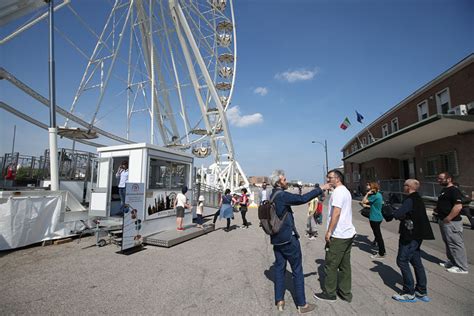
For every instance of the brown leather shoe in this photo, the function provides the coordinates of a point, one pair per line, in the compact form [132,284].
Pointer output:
[281,306]
[306,309]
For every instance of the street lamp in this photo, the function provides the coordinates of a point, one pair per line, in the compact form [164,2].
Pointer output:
[325,145]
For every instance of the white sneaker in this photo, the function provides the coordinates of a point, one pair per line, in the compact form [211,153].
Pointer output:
[446,264]
[455,269]
[312,238]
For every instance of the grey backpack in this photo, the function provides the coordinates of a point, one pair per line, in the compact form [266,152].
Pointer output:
[269,220]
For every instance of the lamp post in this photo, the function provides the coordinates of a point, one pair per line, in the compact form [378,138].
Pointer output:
[325,145]
[53,131]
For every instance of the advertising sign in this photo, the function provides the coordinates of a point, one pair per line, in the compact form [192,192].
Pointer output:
[132,212]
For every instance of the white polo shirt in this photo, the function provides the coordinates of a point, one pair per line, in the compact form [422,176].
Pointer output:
[181,200]
[341,197]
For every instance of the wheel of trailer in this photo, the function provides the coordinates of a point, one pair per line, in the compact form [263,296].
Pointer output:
[101,243]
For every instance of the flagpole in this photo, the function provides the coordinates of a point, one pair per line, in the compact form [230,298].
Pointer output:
[359,119]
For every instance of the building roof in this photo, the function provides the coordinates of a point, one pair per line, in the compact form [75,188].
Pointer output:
[401,144]
[463,63]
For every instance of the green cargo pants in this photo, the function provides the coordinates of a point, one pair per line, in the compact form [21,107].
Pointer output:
[338,264]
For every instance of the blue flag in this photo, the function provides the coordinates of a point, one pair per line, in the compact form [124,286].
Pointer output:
[359,117]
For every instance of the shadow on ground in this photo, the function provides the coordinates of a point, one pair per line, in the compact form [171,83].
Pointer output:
[363,243]
[270,274]
[389,276]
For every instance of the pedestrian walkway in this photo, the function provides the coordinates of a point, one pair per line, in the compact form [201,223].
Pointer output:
[220,273]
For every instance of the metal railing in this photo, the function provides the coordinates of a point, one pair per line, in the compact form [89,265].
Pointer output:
[393,189]
[212,195]
[22,170]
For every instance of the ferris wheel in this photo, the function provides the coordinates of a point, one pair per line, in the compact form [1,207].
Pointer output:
[172,61]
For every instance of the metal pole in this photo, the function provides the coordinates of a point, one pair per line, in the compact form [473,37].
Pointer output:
[13,143]
[53,132]
[326,150]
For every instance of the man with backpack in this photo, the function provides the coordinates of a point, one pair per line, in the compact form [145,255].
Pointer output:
[286,245]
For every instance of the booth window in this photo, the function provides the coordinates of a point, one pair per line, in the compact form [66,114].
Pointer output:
[167,174]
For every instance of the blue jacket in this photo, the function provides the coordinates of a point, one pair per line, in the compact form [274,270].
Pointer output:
[283,202]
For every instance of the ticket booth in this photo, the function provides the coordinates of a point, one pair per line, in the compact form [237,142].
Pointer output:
[163,172]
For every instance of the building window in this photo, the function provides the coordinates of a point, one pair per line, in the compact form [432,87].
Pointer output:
[422,110]
[364,141]
[355,176]
[348,178]
[370,174]
[346,152]
[395,125]
[370,139]
[385,130]
[442,101]
[442,162]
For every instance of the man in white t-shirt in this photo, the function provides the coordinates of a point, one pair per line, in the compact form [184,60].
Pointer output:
[180,205]
[339,236]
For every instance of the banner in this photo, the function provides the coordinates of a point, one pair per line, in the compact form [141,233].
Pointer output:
[132,212]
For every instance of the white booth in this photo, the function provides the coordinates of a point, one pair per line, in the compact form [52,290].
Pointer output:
[163,173]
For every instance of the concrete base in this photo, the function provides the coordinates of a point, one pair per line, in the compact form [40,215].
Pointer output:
[173,237]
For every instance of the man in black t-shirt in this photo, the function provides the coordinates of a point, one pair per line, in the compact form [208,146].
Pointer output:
[448,207]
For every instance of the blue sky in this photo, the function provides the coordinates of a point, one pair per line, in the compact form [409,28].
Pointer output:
[303,66]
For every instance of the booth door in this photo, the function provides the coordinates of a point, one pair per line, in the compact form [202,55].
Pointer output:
[100,195]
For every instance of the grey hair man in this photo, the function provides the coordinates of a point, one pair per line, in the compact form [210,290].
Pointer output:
[286,246]
[414,228]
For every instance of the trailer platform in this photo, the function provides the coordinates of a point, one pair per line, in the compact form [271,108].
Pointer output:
[173,237]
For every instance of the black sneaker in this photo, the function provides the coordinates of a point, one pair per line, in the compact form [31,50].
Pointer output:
[324,297]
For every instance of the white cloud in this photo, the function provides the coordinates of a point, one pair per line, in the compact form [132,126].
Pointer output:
[236,118]
[261,91]
[296,75]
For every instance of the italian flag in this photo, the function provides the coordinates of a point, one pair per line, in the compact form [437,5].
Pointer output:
[345,124]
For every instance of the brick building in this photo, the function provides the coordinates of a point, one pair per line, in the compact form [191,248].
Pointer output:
[430,131]
[258,180]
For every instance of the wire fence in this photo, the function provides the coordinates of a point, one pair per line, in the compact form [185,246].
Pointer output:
[23,170]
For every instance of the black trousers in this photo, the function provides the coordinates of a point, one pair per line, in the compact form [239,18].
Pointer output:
[217,215]
[243,212]
[378,236]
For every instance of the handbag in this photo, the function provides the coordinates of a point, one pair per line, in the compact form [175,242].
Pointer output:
[365,211]
[387,212]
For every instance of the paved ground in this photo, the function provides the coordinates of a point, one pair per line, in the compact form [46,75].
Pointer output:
[216,274]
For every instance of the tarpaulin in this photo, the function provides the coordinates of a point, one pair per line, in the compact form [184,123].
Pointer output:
[25,220]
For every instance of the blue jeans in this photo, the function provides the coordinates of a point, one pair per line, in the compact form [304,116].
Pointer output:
[409,252]
[122,197]
[289,252]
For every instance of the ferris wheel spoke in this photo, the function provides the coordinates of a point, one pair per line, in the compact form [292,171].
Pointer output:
[182,21]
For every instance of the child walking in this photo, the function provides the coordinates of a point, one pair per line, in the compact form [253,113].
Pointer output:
[311,231]
[200,211]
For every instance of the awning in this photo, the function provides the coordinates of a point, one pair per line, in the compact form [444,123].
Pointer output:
[401,144]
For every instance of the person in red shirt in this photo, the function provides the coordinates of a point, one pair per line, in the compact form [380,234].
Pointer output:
[11,172]
[244,203]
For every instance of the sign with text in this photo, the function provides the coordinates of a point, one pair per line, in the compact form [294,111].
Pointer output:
[132,212]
